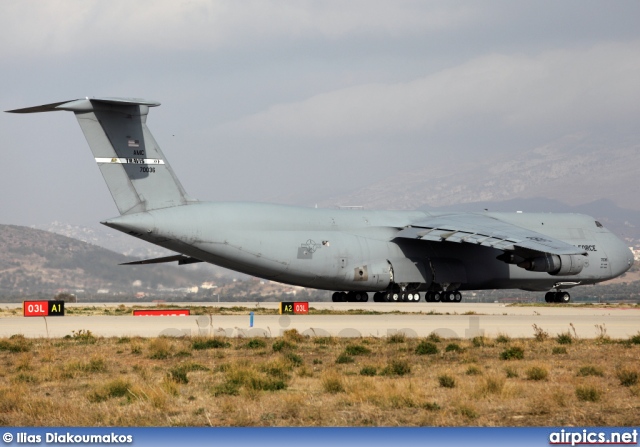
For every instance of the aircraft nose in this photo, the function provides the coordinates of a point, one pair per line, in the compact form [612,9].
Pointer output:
[620,258]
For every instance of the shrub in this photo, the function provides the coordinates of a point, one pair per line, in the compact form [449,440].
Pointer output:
[226,389]
[209,343]
[635,339]
[256,343]
[512,353]
[282,345]
[478,342]
[434,337]
[357,350]
[294,359]
[558,350]
[537,373]
[564,338]
[398,337]
[344,358]
[431,406]
[426,348]
[332,383]
[627,377]
[446,381]
[539,333]
[17,343]
[494,385]
[473,370]
[502,338]
[293,335]
[115,388]
[83,336]
[368,371]
[453,347]
[512,373]
[590,371]
[159,349]
[397,367]
[588,393]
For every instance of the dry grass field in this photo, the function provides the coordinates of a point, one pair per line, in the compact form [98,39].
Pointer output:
[82,380]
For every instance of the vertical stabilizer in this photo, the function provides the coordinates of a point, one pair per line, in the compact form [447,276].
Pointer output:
[135,169]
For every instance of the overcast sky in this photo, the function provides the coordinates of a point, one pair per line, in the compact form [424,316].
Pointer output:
[293,101]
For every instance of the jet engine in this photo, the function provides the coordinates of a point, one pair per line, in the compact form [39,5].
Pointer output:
[557,265]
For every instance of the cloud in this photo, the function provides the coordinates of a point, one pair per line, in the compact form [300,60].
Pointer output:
[67,26]
[576,88]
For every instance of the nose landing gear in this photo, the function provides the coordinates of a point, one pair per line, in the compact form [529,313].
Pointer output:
[557,297]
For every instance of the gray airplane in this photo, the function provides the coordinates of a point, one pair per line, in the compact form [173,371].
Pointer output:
[395,254]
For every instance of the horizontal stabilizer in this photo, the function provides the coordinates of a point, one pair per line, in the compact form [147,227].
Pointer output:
[182,260]
[85,105]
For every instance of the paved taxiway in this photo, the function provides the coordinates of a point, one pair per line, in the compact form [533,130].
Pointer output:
[448,320]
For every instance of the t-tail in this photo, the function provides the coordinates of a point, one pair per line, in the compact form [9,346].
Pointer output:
[135,169]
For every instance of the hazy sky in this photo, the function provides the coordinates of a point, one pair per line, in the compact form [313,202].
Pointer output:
[293,101]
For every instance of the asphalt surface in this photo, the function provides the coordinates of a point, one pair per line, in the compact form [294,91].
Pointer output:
[421,319]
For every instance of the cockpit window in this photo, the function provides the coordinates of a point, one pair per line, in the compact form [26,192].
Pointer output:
[598,224]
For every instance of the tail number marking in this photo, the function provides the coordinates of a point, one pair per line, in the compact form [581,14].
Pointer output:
[133,161]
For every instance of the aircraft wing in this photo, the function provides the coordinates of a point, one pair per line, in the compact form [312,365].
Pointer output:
[487,231]
[182,259]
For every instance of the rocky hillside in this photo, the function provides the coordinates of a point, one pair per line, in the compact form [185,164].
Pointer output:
[574,170]
[36,262]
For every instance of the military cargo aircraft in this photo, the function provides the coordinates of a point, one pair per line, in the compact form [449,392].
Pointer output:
[394,254]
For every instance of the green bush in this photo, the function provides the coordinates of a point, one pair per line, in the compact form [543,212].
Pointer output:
[512,353]
[564,338]
[209,343]
[473,370]
[398,337]
[344,358]
[294,359]
[537,373]
[369,371]
[426,348]
[397,367]
[503,339]
[282,345]
[256,343]
[453,347]
[588,393]
[357,350]
[446,381]
[627,377]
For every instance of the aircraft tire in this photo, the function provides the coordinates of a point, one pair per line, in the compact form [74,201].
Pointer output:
[564,297]
[437,297]
[457,297]
[549,297]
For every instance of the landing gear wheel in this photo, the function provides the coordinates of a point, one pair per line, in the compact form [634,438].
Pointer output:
[377,297]
[457,297]
[339,297]
[437,297]
[563,297]
[549,297]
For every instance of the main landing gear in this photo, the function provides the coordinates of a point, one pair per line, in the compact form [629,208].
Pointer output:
[445,297]
[397,296]
[557,297]
[352,297]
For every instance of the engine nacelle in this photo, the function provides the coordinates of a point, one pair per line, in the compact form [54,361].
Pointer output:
[557,265]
